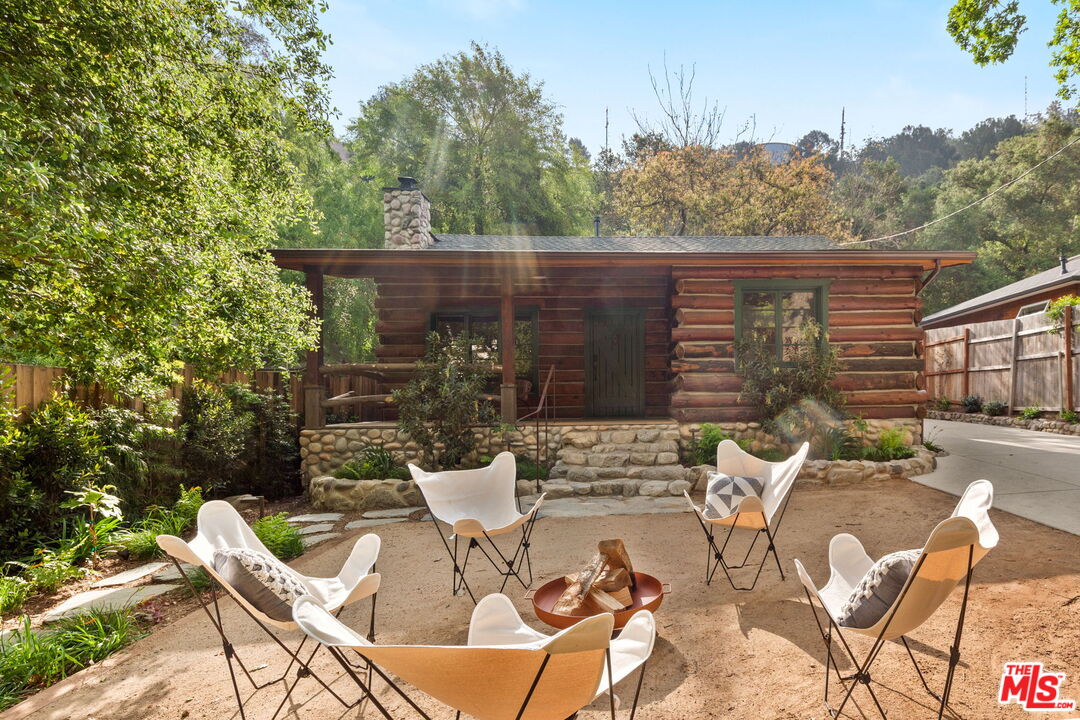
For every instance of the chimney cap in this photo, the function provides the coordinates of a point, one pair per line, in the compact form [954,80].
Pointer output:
[408,183]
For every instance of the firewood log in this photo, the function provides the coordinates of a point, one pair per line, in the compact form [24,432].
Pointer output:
[624,596]
[613,579]
[603,601]
[618,557]
[574,595]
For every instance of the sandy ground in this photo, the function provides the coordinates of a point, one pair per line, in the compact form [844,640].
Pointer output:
[719,653]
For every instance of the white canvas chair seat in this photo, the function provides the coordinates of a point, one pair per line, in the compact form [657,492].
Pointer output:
[220,527]
[949,556]
[761,514]
[505,672]
[479,505]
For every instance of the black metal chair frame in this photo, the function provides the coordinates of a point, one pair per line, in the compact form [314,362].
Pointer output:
[512,564]
[366,688]
[862,674]
[231,656]
[714,558]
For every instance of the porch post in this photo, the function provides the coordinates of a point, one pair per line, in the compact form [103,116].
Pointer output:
[314,415]
[506,347]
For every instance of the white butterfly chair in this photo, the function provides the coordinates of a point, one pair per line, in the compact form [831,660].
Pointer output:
[479,505]
[507,671]
[955,546]
[761,515]
[220,527]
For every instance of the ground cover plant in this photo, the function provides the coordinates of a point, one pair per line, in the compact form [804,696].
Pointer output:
[972,403]
[1070,416]
[280,537]
[373,463]
[1031,413]
[994,408]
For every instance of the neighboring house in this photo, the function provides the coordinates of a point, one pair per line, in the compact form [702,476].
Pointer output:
[1023,297]
[635,327]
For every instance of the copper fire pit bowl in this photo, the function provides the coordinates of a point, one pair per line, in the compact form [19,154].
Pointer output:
[648,593]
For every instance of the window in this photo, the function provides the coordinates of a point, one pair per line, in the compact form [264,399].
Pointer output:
[776,309]
[482,325]
[1033,308]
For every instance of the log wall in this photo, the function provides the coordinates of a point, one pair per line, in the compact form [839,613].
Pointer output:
[406,301]
[873,315]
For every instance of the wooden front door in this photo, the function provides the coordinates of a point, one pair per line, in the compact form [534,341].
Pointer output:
[615,363]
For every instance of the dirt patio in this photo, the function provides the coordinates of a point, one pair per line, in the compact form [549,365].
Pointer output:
[719,653]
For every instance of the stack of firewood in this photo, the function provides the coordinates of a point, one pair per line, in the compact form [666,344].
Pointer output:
[603,585]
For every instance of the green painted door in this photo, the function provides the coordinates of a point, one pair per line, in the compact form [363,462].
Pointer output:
[615,363]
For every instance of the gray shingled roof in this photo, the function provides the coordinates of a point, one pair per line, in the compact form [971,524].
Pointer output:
[660,243]
[1020,288]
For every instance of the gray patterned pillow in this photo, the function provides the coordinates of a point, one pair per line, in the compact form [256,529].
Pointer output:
[878,590]
[724,492]
[261,579]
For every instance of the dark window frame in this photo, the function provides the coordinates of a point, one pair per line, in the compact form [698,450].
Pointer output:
[819,286]
[529,313]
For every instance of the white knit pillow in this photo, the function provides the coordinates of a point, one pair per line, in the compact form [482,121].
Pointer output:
[878,589]
[267,583]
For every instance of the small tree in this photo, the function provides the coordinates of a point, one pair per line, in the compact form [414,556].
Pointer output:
[442,405]
[795,396]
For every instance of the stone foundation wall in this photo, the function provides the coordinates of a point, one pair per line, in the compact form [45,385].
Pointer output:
[1049,425]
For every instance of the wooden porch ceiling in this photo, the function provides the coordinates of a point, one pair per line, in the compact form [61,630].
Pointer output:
[366,263]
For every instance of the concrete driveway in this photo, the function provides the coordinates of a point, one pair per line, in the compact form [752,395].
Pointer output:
[1036,475]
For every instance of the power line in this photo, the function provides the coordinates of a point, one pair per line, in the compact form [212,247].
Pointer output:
[972,204]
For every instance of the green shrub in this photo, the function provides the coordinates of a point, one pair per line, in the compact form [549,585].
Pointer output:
[890,446]
[837,442]
[527,469]
[373,463]
[1055,311]
[1070,416]
[702,448]
[142,458]
[771,454]
[795,395]
[280,537]
[30,661]
[140,540]
[942,404]
[1031,413]
[442,404]
[994,408]
[14,591]
[972,403]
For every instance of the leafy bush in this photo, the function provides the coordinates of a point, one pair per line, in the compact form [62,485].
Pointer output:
[1070,416]
[14,591]
[837,442]
[702,448]
[942,404]
[1055,311]
[972,403]
[31,661]
[1031,413]
[442,404]
[141,453]
[280,537]
[140,540]
[890,446]
[771,454]
[373,463]
[527,469]
[994,408]
[790,394]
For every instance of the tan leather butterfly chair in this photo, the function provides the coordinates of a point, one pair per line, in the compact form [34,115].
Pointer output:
[761,515]
[479,505]
[526,676]
[220,527]
[949,556]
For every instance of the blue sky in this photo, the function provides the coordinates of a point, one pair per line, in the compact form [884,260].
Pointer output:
[787,66]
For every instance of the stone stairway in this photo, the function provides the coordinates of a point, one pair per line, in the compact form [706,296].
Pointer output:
[626,460]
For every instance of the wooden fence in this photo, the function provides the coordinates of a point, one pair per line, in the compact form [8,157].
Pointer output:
[1017,362]
[27,386]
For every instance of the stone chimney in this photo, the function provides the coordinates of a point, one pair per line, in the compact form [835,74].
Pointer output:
[406,216]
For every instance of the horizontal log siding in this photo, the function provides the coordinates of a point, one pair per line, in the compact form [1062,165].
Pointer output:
[873,316]
[406,301]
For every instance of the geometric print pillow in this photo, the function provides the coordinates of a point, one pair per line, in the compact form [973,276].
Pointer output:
[724,492]
[264,581]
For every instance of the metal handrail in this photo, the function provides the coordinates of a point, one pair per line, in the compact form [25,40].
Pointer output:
[548,409]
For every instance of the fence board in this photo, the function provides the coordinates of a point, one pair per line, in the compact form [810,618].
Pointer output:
[1016,361]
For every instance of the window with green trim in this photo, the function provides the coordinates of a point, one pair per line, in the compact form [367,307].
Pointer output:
[483,326]
[775,310]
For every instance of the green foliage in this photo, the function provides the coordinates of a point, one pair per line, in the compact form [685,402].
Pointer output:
[771,454]
[236,440]
[994,408]
[140,540]
[971,403]
[14,591]
[30,661]
[485,143]
[1070,416]
[791,396]
[280,537]
[702,448]
[1055,311]
[441,405]
[1031,413]
[142,176]
[141,455]
[837,442]
[527,469]
[890,446]
[943,404]
[373,463]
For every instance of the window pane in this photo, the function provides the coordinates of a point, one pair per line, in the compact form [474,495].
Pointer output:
[759,301]
[449,325]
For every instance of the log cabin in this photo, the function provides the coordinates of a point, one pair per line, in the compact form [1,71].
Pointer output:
[630,328]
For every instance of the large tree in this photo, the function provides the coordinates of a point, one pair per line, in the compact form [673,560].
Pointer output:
[485,143]
[142,173]
[990,29]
